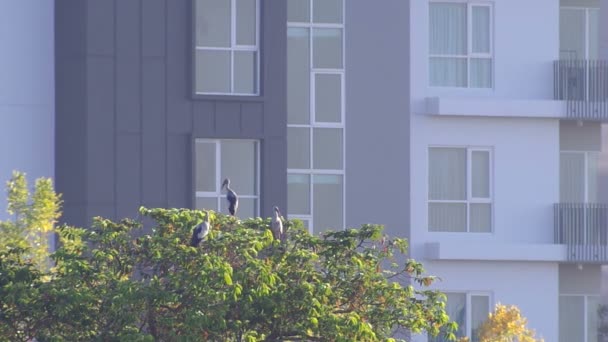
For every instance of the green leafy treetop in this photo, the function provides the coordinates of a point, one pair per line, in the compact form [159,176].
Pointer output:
[34,218]
[240,284]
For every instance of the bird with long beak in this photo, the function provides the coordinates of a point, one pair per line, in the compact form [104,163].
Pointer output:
[276,224]
[199,233]
[231,196]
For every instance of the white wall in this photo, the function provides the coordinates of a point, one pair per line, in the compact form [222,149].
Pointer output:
[26,90]
[532,287]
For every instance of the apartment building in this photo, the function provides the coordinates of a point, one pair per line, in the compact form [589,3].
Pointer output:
[472,128]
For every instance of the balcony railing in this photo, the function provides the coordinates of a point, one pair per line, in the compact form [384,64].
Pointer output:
[583,228]
[583,84]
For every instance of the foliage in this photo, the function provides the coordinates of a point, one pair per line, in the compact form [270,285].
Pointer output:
[240,285]
[34,216]
[506,324]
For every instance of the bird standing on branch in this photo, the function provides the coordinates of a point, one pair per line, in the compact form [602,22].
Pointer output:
[231,196]
[277,225]
[199,233]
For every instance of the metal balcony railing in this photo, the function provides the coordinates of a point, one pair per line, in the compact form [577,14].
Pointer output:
[583,228]
[583,84]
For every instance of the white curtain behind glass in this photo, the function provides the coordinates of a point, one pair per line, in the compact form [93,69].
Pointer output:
[448,37]
[447,181]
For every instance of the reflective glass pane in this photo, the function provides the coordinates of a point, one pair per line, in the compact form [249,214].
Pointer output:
[298,148]
[447,217]
[448,28]
[594,33]
[448,72]
[245,72]
[298,11]
[481,217]
[247,207]
[328,98]
[205,166]
[245,22]
[572,30]
[592,176]
[480,309]
[593,319]
[208,203]
[571,318]
[481,29]
[240,165]
[327,148]
[327,11]
[298,194]
[328,203]
[213,22]
[298,76]
[480,174]
[481,73]
[455,308]
[212,71]
[327,48]
[447,173]
[572,177]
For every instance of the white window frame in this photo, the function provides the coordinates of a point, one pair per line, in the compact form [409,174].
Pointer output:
[218,194]
[313,123]
[586,168]
[469,187]
[470,54]
[468,308]
[234,47]
[585,309]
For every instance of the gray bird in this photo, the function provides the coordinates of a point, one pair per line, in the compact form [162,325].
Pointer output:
[199,233]
[276,224]
[231,196]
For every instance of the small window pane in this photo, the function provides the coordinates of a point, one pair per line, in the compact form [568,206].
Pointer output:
[327,11]
[481,73]
[298,148]
[245,70]
[592,177]
[481,217]
[239,164]
[572,177]
[455,308]
[593,319]
[298,76]
[594,32]
[298,11]
[207,203]
[480,306]
[571,318]
[328,203]
[481,29]
[245,22]
[572,33]
[448,28]
[447,173]
[327,48]
[212,71]
[447,217]
[448,72]
[328,98]
[298,194]
[247,208]
[205,167]
[480,174]
[327,147]
[213,22]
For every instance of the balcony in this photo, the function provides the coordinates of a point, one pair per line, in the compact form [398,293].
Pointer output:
[583,84]
[583,228]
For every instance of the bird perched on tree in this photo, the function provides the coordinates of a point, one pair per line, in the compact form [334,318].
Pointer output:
[199,233]
[277,224]
[231,196]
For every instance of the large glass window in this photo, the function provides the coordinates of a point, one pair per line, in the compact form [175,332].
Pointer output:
[578,177]
[579,33]
[578,318]
[460,191]
[315,112]
[226,47]
[460,44]
[234,159]
[469,310]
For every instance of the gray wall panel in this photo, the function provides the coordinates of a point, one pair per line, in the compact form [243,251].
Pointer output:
[128,172]
[203,119]
[252,119]
[100,27]
[128,67]
[273,182]
[179,194]
[153,28]
[70,33]
[228,119]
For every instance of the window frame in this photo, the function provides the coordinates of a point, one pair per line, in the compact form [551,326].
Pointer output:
[469,199]
[468,307]
[217,194]
[233,48]
[585,309]
[470,54]
[585,171]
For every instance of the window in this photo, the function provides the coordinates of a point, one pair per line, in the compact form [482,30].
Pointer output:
[315,112]
[578,318]
[469,310]
[460,191]
[578,177]
[226,47]
[579,33]
[235,159]
[460,43]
